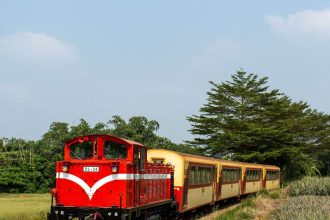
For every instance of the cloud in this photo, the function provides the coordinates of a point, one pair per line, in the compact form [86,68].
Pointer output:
[303,23]
[33,47]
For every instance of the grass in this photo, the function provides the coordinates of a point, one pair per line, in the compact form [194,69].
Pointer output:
[241,212]
[24,206]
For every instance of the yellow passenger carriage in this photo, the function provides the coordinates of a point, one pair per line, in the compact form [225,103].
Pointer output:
[199,181]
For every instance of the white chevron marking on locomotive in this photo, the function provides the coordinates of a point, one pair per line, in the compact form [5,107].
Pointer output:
[121,176]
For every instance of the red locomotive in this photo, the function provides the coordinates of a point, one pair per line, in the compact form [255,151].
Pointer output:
[105,177]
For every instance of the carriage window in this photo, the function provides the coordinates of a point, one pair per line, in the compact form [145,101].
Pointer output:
[142,158]
[230,175]
[82,150]
[272,175]
[197,176]
[192,176]
[253,175]
[203,180]
[113,150]
[200,175]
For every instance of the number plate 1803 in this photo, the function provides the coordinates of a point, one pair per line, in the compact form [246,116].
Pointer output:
[91,169]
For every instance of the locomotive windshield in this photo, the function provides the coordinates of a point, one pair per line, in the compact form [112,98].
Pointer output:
[82,150]
[113,150]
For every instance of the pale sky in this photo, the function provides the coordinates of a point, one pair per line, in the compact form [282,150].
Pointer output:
[66,60]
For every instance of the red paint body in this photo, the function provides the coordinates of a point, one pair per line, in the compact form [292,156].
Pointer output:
[136,183]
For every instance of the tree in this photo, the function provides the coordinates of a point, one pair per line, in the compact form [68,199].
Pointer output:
[245,120]
[138,128]
[29,166]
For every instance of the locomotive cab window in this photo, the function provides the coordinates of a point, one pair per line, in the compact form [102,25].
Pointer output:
[113,150]
[140,155]
[82,150]
[157,161]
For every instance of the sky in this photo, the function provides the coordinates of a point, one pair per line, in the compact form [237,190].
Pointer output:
[67,60]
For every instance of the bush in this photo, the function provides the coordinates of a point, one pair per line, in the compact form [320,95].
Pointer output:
[304,207]
[310,186]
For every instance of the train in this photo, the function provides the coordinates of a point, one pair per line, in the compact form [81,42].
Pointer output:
[107,177]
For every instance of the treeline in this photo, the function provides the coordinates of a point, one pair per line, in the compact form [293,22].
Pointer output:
[243,119]
[29,166]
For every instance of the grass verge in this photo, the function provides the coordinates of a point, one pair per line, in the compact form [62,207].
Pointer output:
[258,206]
[243,211]
[24,206]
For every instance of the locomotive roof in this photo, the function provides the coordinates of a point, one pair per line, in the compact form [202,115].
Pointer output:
[108,136]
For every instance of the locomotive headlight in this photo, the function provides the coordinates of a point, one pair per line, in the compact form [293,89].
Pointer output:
[114,169]
[65,168]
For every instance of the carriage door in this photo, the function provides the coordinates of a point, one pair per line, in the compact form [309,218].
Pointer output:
[185,184]
[214,183]
[139,169]
[220,183]
[240,181]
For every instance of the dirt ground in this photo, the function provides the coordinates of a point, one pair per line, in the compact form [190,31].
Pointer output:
[216,214]
[264,206]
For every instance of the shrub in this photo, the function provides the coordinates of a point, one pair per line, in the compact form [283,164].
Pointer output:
[304,208]
[310,186]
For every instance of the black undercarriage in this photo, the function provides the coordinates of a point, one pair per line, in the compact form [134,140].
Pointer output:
[165,210]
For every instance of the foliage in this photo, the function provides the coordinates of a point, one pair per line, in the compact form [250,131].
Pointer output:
[318,186]
[245,120]
[304,208]
[29,166]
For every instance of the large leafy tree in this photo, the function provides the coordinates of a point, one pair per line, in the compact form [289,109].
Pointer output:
[245,120]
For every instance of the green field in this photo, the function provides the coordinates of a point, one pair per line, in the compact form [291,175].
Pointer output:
[24,206]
